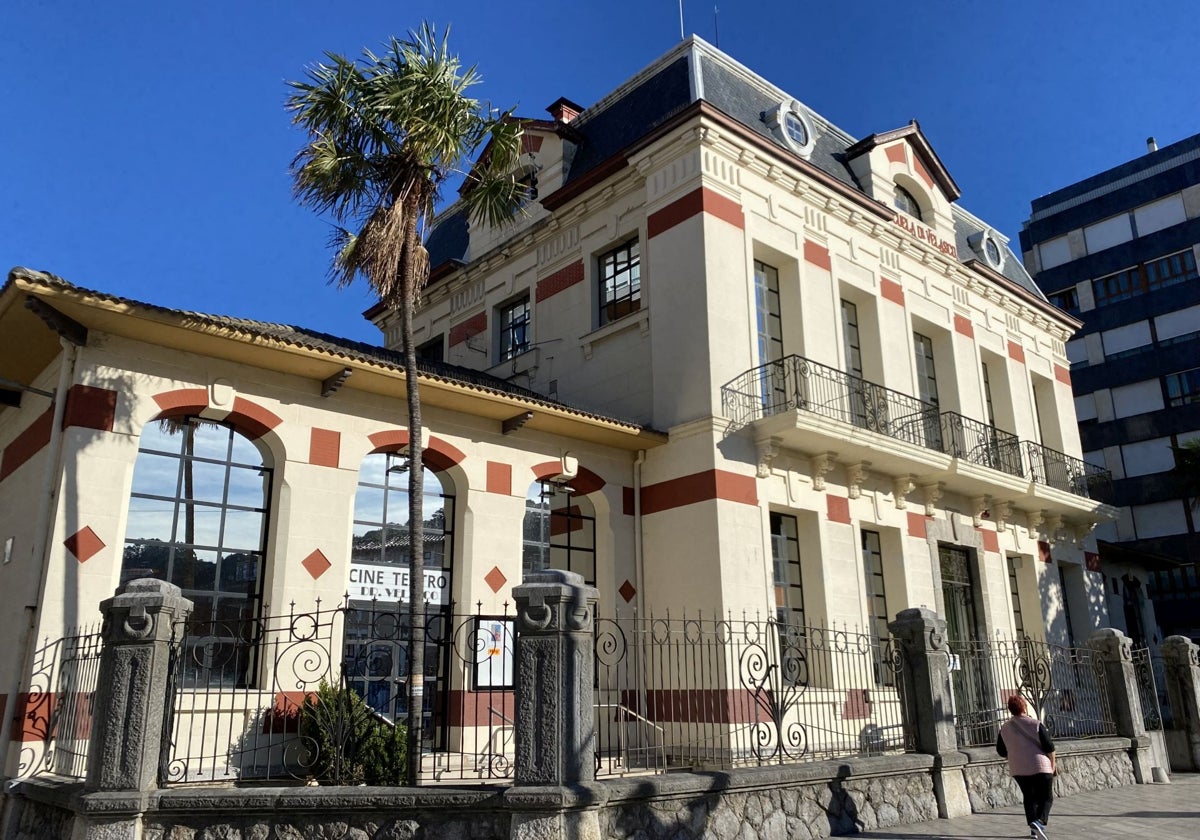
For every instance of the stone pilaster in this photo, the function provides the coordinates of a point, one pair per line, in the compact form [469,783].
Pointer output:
[128,712]
[1116,653]
[929,703]
[1181,667]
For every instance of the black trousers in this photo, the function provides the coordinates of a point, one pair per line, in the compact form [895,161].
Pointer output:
[1038,791]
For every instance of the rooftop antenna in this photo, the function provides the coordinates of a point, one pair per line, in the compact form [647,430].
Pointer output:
[716,29]
[681,35]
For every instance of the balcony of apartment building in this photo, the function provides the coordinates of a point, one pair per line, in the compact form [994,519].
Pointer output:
[815,409]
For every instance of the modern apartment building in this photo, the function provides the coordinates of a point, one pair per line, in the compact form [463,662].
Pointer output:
[1119,251]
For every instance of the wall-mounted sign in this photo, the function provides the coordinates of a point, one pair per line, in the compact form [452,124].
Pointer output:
[376,582]
[493,649]
[926,234]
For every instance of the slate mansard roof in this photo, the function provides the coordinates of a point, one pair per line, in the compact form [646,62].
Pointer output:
[692,72]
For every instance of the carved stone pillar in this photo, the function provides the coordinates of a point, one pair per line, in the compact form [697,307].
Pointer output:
[127,723]
[1116,652]
[1181,668]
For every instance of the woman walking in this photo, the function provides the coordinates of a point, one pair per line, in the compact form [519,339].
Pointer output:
[1024,741]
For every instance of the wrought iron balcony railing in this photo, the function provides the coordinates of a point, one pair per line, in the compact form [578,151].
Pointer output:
[981,444]
[795,382]
[1063,472]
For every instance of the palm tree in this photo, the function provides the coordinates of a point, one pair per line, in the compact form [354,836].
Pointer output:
[384,134]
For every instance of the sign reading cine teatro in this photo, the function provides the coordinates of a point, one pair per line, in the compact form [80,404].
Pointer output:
[919,231]
[376,582]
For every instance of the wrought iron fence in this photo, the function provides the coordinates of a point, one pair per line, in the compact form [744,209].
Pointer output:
[54,722]
[322,696]
[693,692]
[1063,472]
[981,444]
[1148,672]
[795,382]
[1066,688]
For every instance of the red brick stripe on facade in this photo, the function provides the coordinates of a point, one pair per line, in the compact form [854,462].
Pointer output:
[585,482]
[837,508]
[817,254]
[916,525]
[479,708]
[693,705]
[897,152]
[251,419]
[701,200]
[1044,551]
[627,506]
[1091,560]
[89,407]
[564,278]
[963,326]
[27,444]
[439,456]
[324,447]
[565,520]
[472,326]
[181,403]
[1016,352]
[922,171]
[1062,375]
[499,478]
[699,487]
[891,290]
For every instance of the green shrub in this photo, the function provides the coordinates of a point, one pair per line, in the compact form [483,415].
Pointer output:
[352,744]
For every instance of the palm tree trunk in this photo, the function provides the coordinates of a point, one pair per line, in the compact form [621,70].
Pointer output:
[416,521]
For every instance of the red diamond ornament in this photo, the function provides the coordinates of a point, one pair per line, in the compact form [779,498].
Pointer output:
[84,544]
[627,591]
[316,564]
[495,579]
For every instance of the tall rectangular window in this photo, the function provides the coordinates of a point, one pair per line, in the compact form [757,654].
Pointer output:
[770,320]
[785,556]
[514,328]
[877,612]
[926,373]
[432,350]
[850,339]
[987,394]
[1013,591]
[620,284]
[1066,605]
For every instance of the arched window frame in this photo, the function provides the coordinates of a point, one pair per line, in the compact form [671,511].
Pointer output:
[906,202]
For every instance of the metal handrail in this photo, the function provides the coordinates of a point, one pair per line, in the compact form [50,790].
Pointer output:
[1063,472]
[980,443]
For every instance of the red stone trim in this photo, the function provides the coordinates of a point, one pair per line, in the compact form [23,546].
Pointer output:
[699,487]
[181,403]
[817,254]
[700,200]
[90,408]
[471,708]
[27,444]
[565,520]
[473,326]
[963,325]
[499,478]
[694,705]
[837,508]
[585,482]
[897,152]
[1091,561]
[324,447]
[889,289]
[916,525]
[1044,551]
[991,540]
[1016,352]
[564,278]
[439,456]
[627,506]
[251,419]
[1063,375]
[922,171]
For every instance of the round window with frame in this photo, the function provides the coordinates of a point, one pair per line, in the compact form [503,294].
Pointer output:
[791,123]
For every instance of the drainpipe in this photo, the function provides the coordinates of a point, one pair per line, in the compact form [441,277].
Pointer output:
[638,554]
[41,534]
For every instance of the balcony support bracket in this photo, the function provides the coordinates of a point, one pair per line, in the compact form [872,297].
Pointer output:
[901,487]
[768,451]
[856,476]
[933,493]
[821,466]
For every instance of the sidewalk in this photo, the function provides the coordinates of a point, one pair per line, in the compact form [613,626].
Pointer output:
[1162,812]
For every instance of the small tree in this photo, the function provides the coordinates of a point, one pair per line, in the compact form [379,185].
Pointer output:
[350,743]
[384,134]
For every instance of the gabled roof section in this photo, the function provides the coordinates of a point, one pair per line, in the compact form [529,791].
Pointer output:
[916,138]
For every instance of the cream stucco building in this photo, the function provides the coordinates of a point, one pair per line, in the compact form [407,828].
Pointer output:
[730,360]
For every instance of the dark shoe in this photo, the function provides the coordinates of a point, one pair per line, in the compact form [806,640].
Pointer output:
[1039,830]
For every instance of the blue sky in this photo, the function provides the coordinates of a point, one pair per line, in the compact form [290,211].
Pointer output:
[144,150]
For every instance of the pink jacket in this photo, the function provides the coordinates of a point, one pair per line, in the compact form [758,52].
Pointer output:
[1026,744]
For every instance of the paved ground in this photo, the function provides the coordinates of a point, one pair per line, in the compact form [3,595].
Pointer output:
[1160,812]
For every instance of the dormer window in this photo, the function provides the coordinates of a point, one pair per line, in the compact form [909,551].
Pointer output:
[791,123]
[905,203]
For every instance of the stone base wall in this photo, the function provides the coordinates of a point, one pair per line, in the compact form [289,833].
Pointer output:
[807,801]
[1082,765]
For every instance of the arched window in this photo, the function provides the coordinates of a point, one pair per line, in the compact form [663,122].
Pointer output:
[559,531]
[198,518]
[905,203]
[376,651]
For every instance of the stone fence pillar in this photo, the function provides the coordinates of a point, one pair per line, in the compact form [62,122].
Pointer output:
[1116,653]
[929,703]
[555,712]
[1181,667]
[127,713]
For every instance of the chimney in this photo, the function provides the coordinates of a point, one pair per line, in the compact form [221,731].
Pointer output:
[1151,145]
[564,110]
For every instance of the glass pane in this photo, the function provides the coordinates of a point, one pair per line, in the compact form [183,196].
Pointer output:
[243,529]
[149,519]
[162,436]
[247,487]
[199,525]
[373,469]
[395,548]
[366,544]
[194,569]
[368,504]
[205,481]
[145,561]
[210,440]
[239,573]
[156,475]
[245,451]
[435,552]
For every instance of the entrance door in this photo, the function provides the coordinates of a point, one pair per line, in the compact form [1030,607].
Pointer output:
[974,715]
